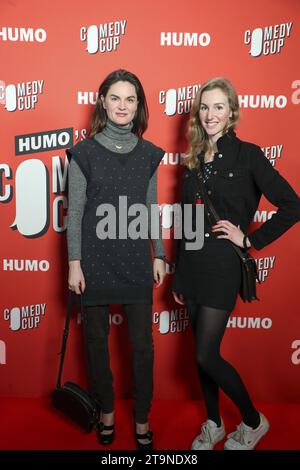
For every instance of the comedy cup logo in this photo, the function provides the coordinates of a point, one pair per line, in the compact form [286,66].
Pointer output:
[105,37]
[178,100]
[21,96]
[268,39]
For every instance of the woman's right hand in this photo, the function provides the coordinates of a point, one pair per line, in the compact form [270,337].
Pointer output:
[76,278]
[178,298]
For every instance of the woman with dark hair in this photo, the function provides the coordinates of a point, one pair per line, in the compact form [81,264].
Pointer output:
[234,174]
[110,174]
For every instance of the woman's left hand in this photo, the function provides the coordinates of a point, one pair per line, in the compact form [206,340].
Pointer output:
[159,271]
[230,232]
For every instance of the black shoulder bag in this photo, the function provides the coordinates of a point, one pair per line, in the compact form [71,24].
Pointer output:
[249,269]
[72,400]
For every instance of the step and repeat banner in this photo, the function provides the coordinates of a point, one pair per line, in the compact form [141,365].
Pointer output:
[54,55]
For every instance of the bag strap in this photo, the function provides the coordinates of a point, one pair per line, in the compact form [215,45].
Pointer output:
[210,210]
[71,299]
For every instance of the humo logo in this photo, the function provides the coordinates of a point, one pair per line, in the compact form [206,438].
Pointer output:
[23,34]
[173,159]
[249,322]
[43,141]
[267,40]
[178,101]
[103,38]
[21,97]
[184,39]
[26,317]
[32,195]
[262,216]
[175,321]
[87,97]
[2,352]
[26,265]
[262,101]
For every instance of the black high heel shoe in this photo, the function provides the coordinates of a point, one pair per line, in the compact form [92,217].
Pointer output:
[105,439]
[147,435]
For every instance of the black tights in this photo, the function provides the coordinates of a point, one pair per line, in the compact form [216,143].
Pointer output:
[209,326]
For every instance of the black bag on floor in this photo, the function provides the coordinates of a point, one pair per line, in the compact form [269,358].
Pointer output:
[71,399]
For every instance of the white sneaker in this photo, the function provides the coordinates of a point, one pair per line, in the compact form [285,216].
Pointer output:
[209,436]
[245,437]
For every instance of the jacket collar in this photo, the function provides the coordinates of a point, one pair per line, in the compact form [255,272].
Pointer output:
[226,141]
[228,147]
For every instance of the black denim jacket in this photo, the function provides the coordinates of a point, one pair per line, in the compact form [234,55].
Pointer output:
[241,174]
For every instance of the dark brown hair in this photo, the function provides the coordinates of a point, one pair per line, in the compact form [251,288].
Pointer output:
[99,118]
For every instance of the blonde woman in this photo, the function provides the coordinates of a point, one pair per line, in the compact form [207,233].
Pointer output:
[235,174]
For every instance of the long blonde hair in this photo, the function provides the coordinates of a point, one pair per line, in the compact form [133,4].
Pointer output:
[197,137]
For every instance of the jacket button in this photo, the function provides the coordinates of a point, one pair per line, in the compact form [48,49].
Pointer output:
[215,172]
[230,175]
[209,192]
[220,155]
[206,235]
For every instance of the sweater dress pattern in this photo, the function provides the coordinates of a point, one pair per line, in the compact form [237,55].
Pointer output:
[117,270]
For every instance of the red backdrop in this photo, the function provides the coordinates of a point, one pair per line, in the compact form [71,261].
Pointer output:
[53,57]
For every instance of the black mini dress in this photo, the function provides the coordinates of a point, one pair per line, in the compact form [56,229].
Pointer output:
[210,276]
